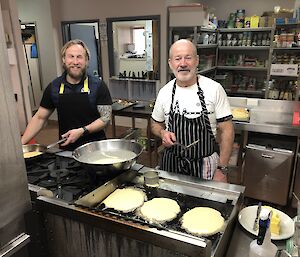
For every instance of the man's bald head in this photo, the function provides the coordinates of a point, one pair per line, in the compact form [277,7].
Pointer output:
[182,42]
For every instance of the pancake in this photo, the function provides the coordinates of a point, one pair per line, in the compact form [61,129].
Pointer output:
[202,221]
[160,210]
[125,199]
[31,154]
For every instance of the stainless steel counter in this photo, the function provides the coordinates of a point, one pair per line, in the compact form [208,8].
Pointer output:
[269,127]
[268,116]
[240,242]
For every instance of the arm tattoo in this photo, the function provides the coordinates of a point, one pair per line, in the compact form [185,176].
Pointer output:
[105,112]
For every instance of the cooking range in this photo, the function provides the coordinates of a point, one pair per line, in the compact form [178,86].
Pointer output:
[77,224]
[63,176]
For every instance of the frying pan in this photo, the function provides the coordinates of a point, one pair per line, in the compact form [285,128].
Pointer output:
[41,149]
[82,153]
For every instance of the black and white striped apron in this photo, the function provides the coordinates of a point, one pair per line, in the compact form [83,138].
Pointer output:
[189,162]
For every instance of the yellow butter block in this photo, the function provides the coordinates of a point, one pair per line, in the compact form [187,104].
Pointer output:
[240,113]
[275,221]
[275,224]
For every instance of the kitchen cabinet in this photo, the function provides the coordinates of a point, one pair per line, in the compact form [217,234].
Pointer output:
[267,170]
[268,130]
[243,60]
[296,188]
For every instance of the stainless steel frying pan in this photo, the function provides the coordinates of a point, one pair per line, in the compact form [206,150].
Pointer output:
[38,148]
[82,153]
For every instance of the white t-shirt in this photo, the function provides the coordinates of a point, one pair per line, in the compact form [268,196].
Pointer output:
[216,101]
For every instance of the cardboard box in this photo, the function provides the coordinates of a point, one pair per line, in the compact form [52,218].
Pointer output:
[284,70]
[269,18]
[188,15]
[283,15]
[266,21]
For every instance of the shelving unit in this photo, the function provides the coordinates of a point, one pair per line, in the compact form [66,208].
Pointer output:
[244,56]
[242,68]
[188,21]
[205,42]
[243,48]
[285,83]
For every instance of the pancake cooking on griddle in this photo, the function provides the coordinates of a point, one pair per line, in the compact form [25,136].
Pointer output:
[125,199]
[202,221]
[160,210]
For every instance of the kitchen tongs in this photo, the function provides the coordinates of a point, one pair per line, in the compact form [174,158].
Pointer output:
[255,225]
[56,143]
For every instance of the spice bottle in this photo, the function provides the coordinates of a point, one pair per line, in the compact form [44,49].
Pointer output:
[262,246]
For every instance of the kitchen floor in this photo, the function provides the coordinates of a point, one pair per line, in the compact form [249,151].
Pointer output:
[50,134]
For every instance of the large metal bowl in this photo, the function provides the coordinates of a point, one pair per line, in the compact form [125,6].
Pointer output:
[81,153]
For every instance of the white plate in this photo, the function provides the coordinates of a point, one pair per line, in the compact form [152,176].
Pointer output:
[247,217]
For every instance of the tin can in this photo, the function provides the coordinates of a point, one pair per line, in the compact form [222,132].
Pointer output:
[240,18]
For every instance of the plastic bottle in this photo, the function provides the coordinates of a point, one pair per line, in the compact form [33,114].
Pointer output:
[262,246]
[205,39]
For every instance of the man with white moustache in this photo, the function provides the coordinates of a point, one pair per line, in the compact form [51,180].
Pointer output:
[193,108]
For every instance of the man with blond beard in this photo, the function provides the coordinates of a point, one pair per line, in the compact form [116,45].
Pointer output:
[83,102]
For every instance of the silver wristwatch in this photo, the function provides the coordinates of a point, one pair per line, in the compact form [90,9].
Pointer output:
[223,168]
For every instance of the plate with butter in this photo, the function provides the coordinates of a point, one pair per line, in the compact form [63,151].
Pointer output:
[281,225]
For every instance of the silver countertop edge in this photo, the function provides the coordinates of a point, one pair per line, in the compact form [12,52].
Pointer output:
[194,181]
[289,130]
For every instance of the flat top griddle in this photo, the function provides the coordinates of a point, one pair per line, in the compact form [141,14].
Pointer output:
[186,203]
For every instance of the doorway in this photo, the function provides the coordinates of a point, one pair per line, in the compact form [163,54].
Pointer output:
[88,32]
[31,53]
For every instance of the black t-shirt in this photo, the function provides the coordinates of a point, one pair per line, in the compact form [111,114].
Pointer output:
[98,92]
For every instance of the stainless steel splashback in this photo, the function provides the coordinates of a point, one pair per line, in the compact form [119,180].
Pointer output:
[274,112]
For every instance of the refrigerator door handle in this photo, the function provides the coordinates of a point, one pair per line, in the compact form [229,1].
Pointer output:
[14,245]
[267,156]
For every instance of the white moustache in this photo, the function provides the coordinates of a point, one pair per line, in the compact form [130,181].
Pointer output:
[184,70]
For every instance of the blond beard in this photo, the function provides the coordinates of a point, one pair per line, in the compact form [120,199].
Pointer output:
[75,76]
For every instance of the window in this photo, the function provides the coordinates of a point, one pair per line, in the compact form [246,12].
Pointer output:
[139,40]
